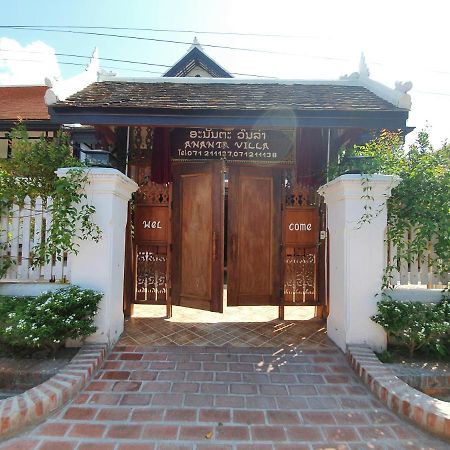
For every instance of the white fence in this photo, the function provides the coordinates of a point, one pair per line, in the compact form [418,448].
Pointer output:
[23,228]
[417,272]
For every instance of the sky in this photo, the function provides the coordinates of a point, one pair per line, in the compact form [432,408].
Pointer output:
[401,41]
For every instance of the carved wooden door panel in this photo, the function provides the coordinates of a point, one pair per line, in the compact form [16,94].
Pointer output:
[254,236]
[197,236]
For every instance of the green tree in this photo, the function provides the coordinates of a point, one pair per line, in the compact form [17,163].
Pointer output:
[32,172]
[420,204]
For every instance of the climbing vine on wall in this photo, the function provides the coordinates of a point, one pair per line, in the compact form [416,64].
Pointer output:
[419,205]
[31,172]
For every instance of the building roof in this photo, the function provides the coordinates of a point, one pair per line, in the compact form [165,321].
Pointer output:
[196,57]
[26,102]
[226,95]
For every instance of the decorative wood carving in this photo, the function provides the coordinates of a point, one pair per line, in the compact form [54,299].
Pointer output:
[298,194]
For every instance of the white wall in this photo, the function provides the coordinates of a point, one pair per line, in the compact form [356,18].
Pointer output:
[356,258]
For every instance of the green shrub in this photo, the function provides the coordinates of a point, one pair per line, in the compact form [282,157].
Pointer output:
[46,321]
[415,325]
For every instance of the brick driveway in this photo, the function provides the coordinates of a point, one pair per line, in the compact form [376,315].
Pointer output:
[224,398]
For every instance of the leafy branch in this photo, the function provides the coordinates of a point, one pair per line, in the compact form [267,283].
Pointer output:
[419,206]
[32,172]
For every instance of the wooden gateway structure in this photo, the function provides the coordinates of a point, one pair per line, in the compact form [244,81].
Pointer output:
[228,171]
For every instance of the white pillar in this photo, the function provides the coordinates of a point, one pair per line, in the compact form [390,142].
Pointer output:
[357,257]
[100,266]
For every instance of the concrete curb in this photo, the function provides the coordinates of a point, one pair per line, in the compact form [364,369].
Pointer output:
[34,405]
[429,413]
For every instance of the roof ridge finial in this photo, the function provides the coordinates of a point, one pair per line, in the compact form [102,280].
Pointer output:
[363,67]
[196,44]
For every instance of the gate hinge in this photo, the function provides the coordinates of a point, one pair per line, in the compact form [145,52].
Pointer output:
[171,204]
[281,248]
[281,292]
[170,247]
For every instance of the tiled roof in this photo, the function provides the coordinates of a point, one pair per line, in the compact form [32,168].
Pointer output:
[26,102]
[225,96]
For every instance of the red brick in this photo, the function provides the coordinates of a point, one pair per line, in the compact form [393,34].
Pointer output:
[53,429]
[80,399]
[112,365]
[154,357]
[337,379]
[318,418]
[135,365]
[146,414]
[375,433]
[80,413]
[192,432]
[181,415]
[96,446]
[188,366]
[296,447]
[124,431]
[113,414]
[20,444]
[87,430]
[381,416]
[165,399]
[57,445]
[355,403]
[254,447]
[199,400]
[136,399]
[310,379]
[127,386]
[185,387]
[137,447]
[161,432]
[228,401]
[332,389]
[404,431]
[249,417]
[304,433]
[303,389]
[171,376]
[156,386]
[345,434]
[232,433]
[99,386]
[173,446]
[143,375]
[202,376]
[243,388]
[105,399]
[116,375]
[282,417]
[350,418]
[356,390]
[131,356]
[268,433]
[215,388]
[214,415]
[226,377]
[214,447]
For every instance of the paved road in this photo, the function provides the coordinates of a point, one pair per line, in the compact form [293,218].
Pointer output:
[224,398]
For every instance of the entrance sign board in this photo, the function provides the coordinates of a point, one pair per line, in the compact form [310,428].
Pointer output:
[233,144]
[301,226]
[152,224]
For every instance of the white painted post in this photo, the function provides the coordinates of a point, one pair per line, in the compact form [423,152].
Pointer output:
[357,258]
[100,266]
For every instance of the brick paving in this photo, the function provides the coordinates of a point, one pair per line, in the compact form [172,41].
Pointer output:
[224,398]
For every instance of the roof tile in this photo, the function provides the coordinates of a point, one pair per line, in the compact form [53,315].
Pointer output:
[226,96]
[26,102]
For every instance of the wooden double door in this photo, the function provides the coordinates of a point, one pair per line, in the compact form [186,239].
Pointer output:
[253,230]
